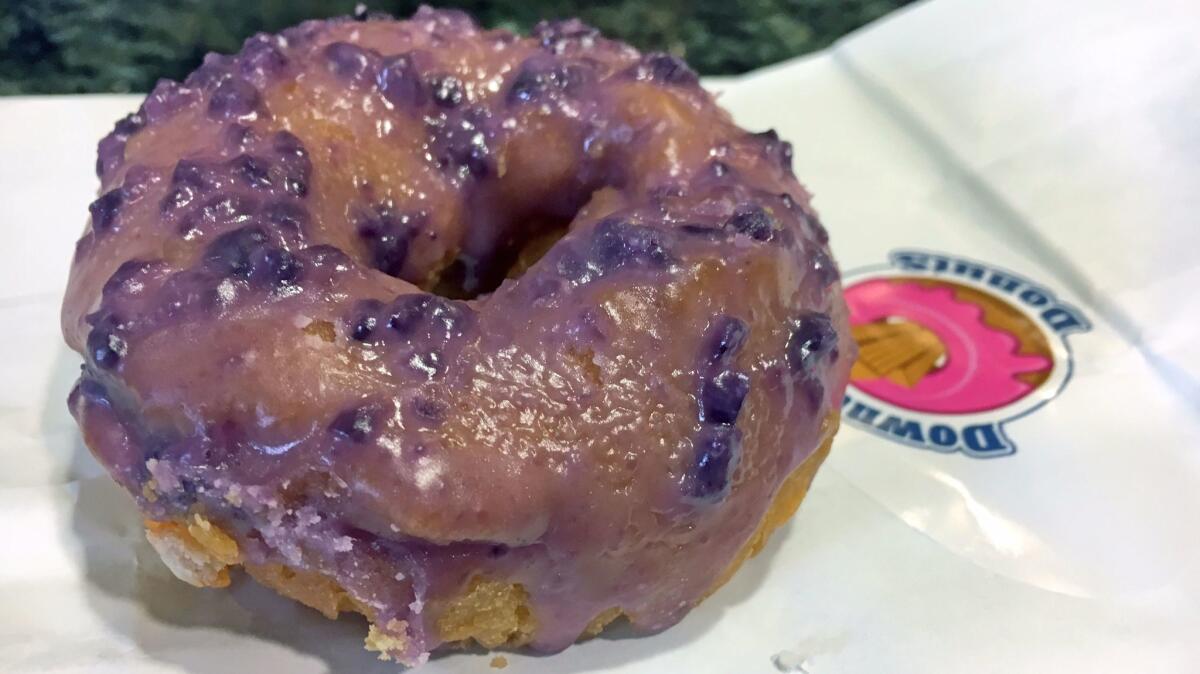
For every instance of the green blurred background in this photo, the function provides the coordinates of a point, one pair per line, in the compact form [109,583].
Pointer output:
[76,46]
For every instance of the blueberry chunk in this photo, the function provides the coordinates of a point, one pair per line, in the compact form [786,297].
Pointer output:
[356,424]
[717,453]
[541,74]
[703,231]
[166,98]
[261,57]
[128,271]
[231,253]
[610,250]
[825,269]
[773,147]
[105,210]
[429,409]
[819,230]
[448,91]
[408,311]
[428,316]
[449,317]
[290,218]
[105,346]
[213,68]
[240,137]
[286,143]
[665,69]
[444,19]
[753,221]
[191,173]
[722,395]
[129,125]
[387,236]
[110,152]
[813,337]
[527,85]
[559,36]
[362,328]
[400,81]
[725,337]
[325,255]
[252,171]
[297,167]
[460,142]
[233,97]
[618,243]
[278,267]
[347,61]
[571,266]
[227,208]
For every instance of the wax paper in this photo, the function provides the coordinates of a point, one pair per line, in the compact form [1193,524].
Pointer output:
[1055,142]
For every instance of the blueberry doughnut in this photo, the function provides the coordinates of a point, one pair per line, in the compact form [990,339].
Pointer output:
[485,337]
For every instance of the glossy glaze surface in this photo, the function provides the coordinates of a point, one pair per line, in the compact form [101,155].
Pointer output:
[407,302]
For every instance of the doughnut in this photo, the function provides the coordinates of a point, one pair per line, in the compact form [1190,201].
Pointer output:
[485,337]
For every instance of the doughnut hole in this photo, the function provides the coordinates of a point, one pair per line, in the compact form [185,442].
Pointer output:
[508,261]
[537,192]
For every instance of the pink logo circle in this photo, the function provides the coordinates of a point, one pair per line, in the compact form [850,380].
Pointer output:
[938,347]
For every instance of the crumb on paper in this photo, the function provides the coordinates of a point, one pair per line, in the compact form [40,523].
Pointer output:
[790,661]
[800,657]
[499,662]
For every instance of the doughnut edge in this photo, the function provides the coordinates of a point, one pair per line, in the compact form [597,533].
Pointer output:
[491,613]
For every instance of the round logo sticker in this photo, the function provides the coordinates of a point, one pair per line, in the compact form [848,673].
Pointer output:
[950,349]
